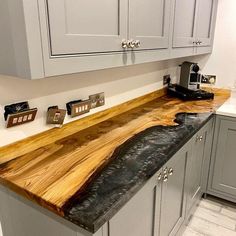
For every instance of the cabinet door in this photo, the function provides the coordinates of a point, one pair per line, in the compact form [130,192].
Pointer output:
[185,23]
[149,23]
[136,218]
[86,26]
[206,21]
[173,194]
[195,169]
[224,174]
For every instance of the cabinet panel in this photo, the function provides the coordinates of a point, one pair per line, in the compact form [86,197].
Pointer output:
[195,169]
[86,26]
[184,23]
[224,173]
[173,195]
[136,217]
[205,23]
[149,22]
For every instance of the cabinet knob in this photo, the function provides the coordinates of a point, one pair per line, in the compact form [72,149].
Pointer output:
[131,43]
[165,178]
[171,171]
[137,43]
[159,177]
[200,138]
[199,42]
[165,171]
[124,44]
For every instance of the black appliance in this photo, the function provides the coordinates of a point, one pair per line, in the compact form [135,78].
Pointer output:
[189,86]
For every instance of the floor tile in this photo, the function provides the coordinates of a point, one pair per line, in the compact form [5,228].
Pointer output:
[208,228]
[191,232]
[215,206]
[215,217]
[229,211]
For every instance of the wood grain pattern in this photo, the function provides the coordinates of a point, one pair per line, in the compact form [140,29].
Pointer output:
[51,167]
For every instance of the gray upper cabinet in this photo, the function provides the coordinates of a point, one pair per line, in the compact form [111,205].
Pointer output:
[60,37]
[184,23]
[149,23]
[206,22]
[86,26]
[223,174]
[194,23]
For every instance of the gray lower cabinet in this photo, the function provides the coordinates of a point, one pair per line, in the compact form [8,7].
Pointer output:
[158,209]
[173,193]
[198,167]
[136,218]
[222,181]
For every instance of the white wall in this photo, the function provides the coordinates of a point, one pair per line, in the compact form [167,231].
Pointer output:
[222,62]
[119,85]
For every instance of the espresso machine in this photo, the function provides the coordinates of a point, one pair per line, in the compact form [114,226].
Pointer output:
[189,84]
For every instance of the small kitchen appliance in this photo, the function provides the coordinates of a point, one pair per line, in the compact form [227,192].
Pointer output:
[189,85]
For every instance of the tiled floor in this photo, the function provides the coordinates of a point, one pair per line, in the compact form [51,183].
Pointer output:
[213,218]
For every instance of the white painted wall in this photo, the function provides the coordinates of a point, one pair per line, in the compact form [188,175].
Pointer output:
[119,85]
[222,62]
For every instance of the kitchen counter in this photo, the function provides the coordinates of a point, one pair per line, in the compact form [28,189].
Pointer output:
[87,174]
[228,108]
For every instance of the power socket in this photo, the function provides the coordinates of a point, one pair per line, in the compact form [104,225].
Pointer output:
[97,100]
[166,79]
[208,79]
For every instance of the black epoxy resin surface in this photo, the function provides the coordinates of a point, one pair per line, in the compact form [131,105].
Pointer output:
[133,163]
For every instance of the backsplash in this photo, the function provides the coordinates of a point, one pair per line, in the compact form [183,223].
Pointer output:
[119,85]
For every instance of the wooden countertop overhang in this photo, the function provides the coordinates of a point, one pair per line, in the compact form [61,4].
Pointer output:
[53,166]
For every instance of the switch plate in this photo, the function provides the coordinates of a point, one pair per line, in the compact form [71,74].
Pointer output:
[97,100]
[56,116]
[80,108]
[208,79]
[20,118]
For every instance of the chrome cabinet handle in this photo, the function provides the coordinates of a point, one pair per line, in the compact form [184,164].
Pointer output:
[171,171]
[165,172]
[124,44]
[165,178]
[199,138]
[131,43]
[159,177]
[137,43]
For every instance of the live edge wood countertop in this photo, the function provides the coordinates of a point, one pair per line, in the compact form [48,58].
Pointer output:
[51,167]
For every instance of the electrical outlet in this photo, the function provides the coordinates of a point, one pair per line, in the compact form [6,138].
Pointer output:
[166,79]
[208,79]
[97,100]
[55,115]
